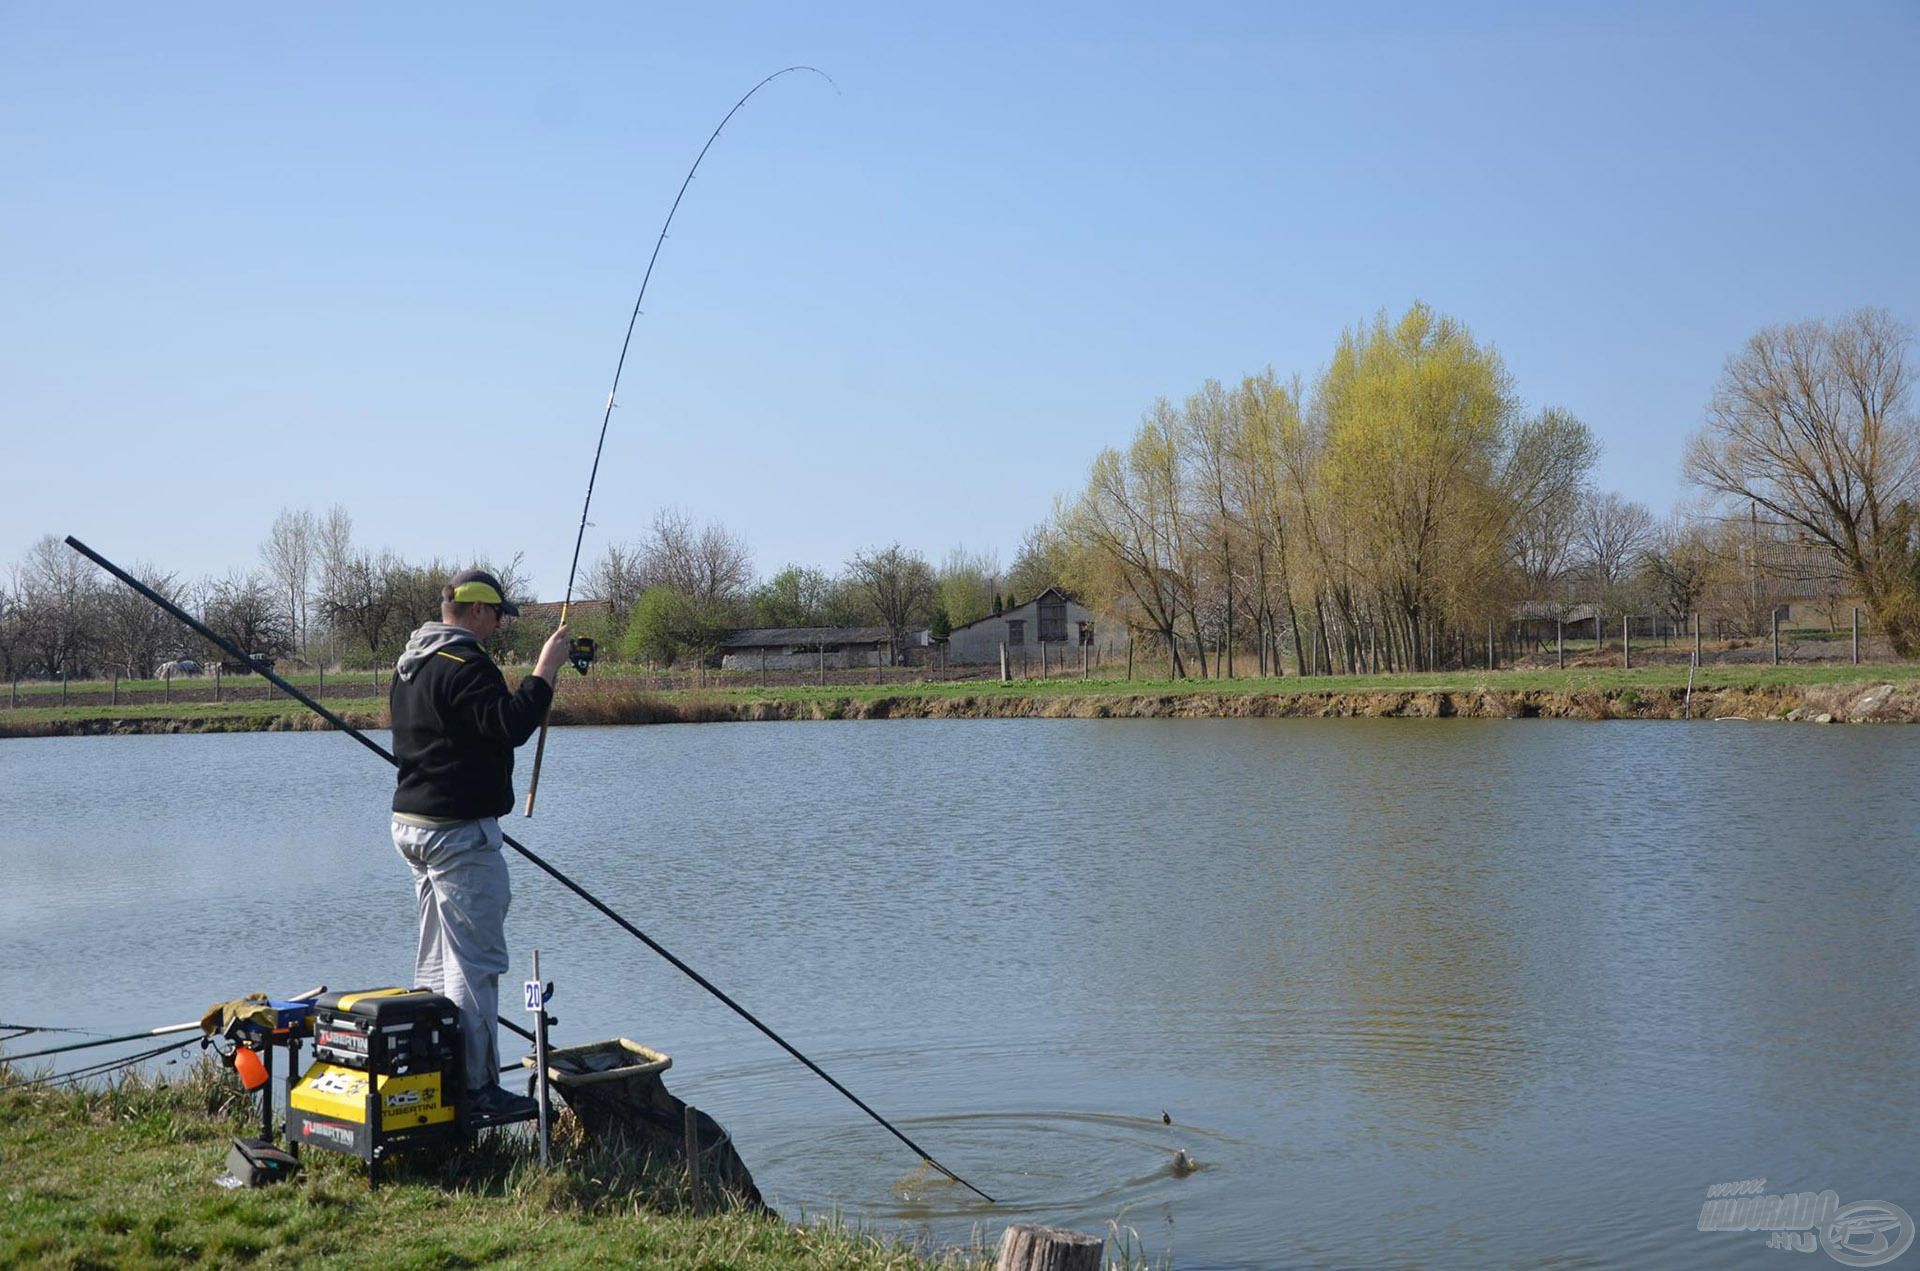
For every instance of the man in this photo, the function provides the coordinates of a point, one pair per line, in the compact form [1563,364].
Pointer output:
[455,726]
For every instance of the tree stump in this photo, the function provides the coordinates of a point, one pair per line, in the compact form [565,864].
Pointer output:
[1034,1248]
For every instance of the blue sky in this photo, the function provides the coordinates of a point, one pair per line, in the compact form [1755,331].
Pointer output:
[254,257]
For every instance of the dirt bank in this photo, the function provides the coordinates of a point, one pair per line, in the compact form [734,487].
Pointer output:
[1849,703]
[1815,704]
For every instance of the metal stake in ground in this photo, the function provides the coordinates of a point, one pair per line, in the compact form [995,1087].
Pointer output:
[537,1003]
[539,862]
[606,416]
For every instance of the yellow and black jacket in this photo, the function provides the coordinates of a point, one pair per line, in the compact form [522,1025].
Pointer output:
[455,726]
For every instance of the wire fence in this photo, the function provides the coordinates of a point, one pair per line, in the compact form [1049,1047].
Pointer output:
[1629,640]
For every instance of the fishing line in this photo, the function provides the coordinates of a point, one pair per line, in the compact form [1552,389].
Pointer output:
[540,747]
[201,629]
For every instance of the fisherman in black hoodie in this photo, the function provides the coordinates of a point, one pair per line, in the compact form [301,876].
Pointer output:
[455,726]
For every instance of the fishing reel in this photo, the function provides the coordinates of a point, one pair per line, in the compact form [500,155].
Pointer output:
[242,1056]
[581,653]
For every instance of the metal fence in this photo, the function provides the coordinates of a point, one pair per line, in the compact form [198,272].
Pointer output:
[1630,640]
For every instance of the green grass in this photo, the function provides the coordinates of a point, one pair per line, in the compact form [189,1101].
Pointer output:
[252,713]
[124,1177]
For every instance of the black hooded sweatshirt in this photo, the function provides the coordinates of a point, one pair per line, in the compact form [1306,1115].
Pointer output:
[455,726]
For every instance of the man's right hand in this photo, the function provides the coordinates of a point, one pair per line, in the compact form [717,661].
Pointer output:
[553,654]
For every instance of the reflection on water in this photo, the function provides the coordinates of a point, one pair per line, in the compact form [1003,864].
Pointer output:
[1406,992]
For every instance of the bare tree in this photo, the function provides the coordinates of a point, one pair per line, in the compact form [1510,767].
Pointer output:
[1611,535]
[137,634]
[710,565]
[1544,548]
[334,555]
[899,586]
[245,608]
[1679,564]
[13,627]
[289,554]
[60,595]
[1812,423]
[359,600]
[616,579]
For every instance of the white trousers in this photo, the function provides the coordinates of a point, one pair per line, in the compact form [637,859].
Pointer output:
[461,881]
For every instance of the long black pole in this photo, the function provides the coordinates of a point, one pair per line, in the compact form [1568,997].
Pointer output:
[206,632]
[102,1041]
[606,416]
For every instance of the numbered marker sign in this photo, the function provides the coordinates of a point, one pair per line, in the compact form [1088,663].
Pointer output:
[533,994]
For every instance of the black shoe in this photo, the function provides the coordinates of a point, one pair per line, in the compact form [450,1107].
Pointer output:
[496,1104]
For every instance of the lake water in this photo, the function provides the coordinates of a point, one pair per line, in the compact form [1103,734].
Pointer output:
[1412,992]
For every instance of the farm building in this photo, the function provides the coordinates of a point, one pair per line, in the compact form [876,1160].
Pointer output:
[1052,618]
[802,648]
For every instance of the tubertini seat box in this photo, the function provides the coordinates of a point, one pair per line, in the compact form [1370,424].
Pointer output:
[387,1074]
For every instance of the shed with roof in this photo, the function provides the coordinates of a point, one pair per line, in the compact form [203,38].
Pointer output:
[805,648]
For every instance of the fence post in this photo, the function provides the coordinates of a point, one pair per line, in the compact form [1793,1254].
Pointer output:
[1856,635]
[1696,637]
[1560,641]
[216,681]
[166,688]
[1776,635]
[114,700]
[1626,642]
[1003,661]
[63,686]
[1599,634]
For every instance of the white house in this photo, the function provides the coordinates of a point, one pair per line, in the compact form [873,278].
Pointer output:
[1052,618]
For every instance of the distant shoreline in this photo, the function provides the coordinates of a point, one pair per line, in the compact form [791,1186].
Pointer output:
[1879,694]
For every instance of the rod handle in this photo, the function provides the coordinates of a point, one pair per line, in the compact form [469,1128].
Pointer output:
[539,752]
[540,747]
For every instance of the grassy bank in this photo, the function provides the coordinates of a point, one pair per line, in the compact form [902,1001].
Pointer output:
[124,1177]
[1842,693]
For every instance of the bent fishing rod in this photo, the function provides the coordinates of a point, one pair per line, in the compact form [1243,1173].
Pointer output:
[540,747]
[231,649]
